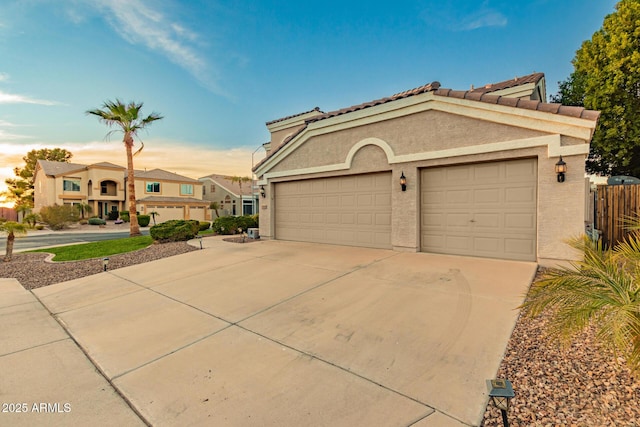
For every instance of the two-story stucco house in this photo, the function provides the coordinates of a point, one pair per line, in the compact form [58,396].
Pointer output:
[100,185]
[103,187]
[230,195]
[434,170]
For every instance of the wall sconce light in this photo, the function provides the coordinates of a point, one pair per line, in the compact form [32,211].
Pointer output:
[403,182]
[105,263]
[561,169]
[501,393]
[262,192]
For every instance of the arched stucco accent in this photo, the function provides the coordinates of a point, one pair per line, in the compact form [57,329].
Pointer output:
[370,141]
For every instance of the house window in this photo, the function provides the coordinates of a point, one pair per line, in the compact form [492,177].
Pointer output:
[186,189]
[213,188]
[153,187]
[247,207]
[71,184]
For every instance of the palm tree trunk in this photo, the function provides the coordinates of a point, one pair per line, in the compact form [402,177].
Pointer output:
[9,252]
[134,228]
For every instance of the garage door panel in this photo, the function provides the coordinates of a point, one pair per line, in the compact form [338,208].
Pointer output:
[486,209]
[353,210]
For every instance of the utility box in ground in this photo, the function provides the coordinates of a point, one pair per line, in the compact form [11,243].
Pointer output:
[253,233]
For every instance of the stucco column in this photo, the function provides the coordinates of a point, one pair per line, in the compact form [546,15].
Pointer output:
[404,209]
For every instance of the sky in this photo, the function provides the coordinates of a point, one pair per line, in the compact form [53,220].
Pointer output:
[218,70]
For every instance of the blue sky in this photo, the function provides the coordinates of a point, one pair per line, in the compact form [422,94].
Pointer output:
[218,70]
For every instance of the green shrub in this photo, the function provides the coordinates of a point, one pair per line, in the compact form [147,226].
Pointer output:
[230,224]
[59,217]
[112,216]
[175,230]
[97,221]
[124,215]
[31,219]
[144,220]
[204,225]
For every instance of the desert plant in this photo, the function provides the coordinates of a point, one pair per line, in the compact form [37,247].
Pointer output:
[144,220]
[31,219]
[11,228]
[215,206]
[204,225]
[58,217]
[602,290]
[124,215]
[112,215]
[97,221]
[174,230]
[83,208]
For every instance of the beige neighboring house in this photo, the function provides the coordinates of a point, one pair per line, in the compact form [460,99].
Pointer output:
[171,195]
[478,167]
[100,185]
[229,195]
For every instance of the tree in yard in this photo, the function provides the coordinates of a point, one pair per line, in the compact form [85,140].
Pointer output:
[602,291]
[20,189]
[606,77]
[127,118]
[83,208]
[153,215]
[215,206]
[11,228]
[240,180]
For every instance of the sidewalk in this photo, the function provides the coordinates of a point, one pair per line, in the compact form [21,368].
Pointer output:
[46,378]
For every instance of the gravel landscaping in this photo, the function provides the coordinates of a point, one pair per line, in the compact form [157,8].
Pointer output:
[583,385]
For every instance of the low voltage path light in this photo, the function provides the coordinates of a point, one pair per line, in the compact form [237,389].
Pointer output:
[561,169]
[105,263]
[200,240]
[403,182]
[501,393]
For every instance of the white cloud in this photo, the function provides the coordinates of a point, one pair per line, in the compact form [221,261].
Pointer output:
[453,16]
[484,18]
[138,23]
[4,77]
[10,98]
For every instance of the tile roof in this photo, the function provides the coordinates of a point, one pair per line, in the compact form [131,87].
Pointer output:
[477,94]
[160,199]
[56,168]
[292,116]
[107,165]
[163,175]
[233,187]
[517,81]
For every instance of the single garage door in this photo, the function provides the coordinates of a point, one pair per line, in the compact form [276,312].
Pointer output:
[484,209]
[349,210]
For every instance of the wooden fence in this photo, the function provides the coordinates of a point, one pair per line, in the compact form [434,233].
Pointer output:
[614,203]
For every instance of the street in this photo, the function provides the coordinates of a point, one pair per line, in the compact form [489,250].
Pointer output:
[35,241]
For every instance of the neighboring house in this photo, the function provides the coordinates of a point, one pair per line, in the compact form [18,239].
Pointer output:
[100,185]
[103,187]
[171,195]
[229,195]
[478,168]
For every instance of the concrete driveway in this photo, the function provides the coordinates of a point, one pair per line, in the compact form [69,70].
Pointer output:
[277,333]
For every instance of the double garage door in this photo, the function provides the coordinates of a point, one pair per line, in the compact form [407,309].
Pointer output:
[351,210]
[484,209]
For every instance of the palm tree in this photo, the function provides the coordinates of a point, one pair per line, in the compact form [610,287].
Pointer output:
[11,228]
[153,215]
[215,206]
[84,208]
[127,119]
[239,180]
[602,290]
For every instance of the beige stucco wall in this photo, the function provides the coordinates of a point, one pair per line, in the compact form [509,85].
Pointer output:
[560,208]
[167,189]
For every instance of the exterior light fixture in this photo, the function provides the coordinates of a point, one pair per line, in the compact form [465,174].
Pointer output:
[105,263]
[262,192]
[501,393]
[200,239]
[403,182]
[561,169]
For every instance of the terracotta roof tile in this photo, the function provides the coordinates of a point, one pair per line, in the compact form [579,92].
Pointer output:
[294,115]
[162,174]
[233,187]
[518,81]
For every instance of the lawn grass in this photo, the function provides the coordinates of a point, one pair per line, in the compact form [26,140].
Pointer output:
[97,249]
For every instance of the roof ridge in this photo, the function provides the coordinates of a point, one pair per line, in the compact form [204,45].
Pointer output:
[294,115]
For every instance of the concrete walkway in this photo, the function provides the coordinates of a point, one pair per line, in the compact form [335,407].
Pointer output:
[267,333]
